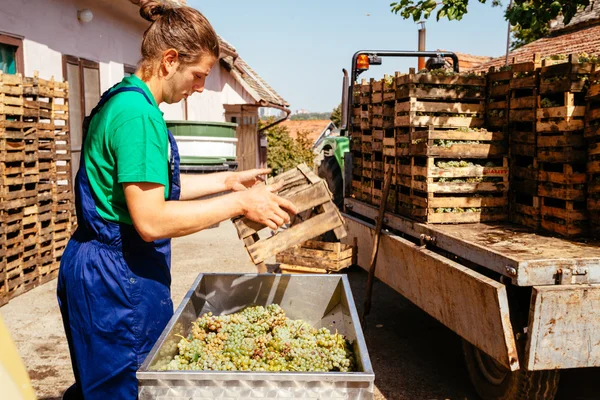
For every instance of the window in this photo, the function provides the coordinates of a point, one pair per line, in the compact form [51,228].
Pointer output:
[11,54]
[84,93]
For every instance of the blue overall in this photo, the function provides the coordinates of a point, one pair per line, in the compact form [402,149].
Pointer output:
[113,290]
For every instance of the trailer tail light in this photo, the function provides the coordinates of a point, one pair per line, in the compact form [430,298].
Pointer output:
[362,62]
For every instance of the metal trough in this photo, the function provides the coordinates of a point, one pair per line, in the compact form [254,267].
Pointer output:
[320,300]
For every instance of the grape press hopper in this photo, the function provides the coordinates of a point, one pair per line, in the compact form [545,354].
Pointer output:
[320,300]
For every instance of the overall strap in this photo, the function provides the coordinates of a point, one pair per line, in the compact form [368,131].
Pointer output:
[106,97]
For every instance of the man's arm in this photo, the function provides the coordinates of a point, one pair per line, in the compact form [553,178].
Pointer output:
[154,218]
[195,186]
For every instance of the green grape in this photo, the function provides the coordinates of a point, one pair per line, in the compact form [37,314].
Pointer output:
[261,339]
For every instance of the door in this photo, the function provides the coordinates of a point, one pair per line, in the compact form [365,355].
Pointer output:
[84,93]
[247,152]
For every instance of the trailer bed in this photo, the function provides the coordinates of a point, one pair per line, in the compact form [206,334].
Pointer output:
[514,251]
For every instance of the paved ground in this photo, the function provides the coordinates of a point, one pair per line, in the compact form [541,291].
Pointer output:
[414,356]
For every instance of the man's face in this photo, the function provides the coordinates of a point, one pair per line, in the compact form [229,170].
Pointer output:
[187,80]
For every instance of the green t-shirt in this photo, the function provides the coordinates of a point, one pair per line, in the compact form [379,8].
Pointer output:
[127,141]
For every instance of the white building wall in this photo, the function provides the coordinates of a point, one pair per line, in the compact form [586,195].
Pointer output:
[110,73]
[50,29]
[221,88]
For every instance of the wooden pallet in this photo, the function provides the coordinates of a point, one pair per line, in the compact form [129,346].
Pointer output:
[317,215]
[315,256]
[36,187]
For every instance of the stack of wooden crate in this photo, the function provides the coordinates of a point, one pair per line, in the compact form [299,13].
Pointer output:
[449,169]
[361,142]
[497,98]
[592,135]
[523,100]
[561,149]
[427,128]
[33,124]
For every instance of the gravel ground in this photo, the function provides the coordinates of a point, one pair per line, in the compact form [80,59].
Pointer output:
[414,356]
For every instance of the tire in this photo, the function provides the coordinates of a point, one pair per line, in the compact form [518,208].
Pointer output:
[496,382]
[330,172]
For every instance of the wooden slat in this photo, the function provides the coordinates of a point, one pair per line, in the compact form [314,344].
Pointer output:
[304,200]
[315,226]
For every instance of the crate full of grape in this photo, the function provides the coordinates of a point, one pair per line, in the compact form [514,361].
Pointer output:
[270,336]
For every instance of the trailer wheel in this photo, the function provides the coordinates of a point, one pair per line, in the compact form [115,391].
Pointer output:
[493,381]
[330,172]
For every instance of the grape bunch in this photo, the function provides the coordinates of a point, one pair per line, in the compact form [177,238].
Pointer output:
[261,339]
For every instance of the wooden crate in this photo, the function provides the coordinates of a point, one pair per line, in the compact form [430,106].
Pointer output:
[592,114]
[429,86]
[376,91]
[317,215]
[524,175]
[561,147]
[593,186]
[382,116]
[442,193]
[524,84]
[567,76]
[389,88]
[525,209]
[453,143]
[498,90]
[315,256]
[362,93]
[565,217]
[442,114]
[525,75]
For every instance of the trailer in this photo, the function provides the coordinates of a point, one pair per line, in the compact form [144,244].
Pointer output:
[525,305]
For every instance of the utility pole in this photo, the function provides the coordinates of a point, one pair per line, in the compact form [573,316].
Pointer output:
[508,36]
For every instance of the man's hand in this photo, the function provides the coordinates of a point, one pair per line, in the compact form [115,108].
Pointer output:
[262,205]
[243,180]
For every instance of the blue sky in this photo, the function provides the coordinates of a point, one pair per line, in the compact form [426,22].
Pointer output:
[300,47]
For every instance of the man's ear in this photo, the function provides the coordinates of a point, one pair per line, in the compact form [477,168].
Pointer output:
[170,63]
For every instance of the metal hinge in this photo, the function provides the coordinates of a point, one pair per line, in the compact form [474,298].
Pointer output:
[570,276]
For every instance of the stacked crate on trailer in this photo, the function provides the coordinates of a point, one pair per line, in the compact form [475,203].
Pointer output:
[522,117]
[373,143]
[592,135]
[29,193]
[455,171]
[496,98]
[561,149]
[361,139]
